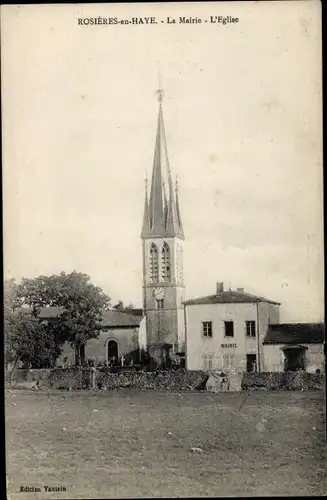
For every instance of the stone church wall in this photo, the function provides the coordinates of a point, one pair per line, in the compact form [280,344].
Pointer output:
[126,338]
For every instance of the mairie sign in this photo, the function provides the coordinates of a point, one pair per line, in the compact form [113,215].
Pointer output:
[228,345]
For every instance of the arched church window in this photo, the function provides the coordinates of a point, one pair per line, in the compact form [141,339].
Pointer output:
[154,268]
[165,262]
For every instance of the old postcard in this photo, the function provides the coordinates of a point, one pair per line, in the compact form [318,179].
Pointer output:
[163,250]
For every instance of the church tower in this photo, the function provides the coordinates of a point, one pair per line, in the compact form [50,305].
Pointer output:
[162,239]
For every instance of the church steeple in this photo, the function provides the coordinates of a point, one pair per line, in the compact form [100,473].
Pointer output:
[161,215]
[162,251]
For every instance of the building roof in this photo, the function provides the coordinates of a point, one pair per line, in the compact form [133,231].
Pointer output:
[134,311]
[229,297]
[110,318]
[295,333]
[161,212]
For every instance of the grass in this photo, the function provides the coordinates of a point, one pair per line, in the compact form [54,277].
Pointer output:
[138,444]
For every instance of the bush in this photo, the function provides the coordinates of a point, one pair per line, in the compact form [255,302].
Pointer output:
[274,381]
[164,380]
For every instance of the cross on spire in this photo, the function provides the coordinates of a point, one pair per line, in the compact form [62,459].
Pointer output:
[160,94]
[160,91]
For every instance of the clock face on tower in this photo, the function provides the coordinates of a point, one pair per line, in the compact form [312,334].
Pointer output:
[159,293]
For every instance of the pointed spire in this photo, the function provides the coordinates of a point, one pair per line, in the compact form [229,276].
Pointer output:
[165,204]
[161,213]
[146,220]
[172,221]
[178,210]
[156,194]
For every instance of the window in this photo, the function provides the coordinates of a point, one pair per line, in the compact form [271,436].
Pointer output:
[229,329]
[154,272]
[228,360]
[207,328]
[250,328]
[165,262]
[160,304]
[207,362]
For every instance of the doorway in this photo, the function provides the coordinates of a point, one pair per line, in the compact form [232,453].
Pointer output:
[80,354]
[112,352]
[294,358]
[251,362]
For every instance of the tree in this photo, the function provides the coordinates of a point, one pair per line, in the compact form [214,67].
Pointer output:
[9,296]
[30,342]
[79,302]
[9,290]
[26,340]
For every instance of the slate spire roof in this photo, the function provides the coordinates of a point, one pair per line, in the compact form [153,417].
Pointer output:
[161,212]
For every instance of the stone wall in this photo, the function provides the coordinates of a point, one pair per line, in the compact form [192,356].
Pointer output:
[278,381]
[21,375]
[75,378]
[71,378]
[105,378]
[179,380]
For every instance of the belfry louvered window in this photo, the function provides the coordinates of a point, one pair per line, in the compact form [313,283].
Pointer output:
[154,268]
[165,262]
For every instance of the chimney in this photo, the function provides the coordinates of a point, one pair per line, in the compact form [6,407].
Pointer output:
[219,287]
[240,290]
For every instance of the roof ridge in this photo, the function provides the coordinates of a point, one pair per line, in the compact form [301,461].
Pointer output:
[126,313]
[231,293]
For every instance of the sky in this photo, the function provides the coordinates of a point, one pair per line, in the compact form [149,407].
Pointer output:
[242,113]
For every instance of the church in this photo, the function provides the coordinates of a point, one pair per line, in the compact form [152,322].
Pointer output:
[159,326]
